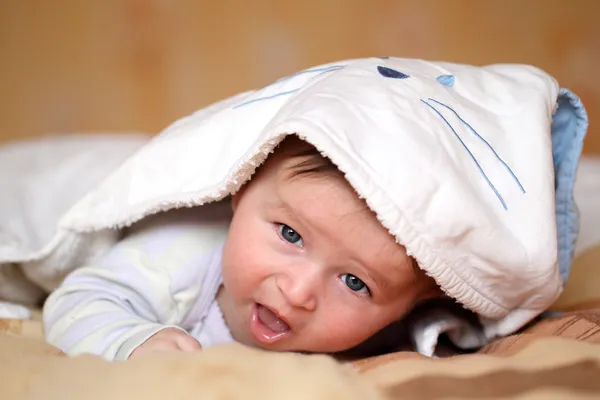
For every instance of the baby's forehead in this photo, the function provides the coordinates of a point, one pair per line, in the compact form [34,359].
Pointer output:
[316,181]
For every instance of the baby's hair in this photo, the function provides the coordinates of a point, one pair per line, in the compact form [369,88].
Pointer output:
[311,161]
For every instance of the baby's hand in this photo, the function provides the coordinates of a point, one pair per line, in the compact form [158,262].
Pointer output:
[169,339]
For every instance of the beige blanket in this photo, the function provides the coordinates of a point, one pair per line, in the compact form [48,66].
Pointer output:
[552,359]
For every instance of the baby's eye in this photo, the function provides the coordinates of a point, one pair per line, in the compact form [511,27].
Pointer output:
[290,235]
[355,284]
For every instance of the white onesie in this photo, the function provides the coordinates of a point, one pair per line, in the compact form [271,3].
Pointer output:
[164,273]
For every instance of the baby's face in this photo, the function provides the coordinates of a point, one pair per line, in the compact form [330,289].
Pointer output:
[307,266]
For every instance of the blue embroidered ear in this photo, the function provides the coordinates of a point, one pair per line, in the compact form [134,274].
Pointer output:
[446,80]
[391,73]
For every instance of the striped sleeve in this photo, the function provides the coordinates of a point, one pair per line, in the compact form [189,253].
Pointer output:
[128,295]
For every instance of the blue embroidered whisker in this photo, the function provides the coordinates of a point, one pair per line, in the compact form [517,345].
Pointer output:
[484,141]
[489,182]
[264,98]
[307,71]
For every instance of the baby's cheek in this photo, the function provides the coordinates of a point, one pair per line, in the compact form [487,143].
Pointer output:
[348,327]
[242,272]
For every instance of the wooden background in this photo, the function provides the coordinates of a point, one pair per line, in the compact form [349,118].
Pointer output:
[106,65]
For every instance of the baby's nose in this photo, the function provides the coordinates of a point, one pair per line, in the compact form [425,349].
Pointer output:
[300,290]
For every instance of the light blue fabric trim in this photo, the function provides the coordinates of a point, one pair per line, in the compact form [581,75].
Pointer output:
[569,126]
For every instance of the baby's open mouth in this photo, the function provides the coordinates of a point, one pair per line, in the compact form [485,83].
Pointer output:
[271,320]
[266,326]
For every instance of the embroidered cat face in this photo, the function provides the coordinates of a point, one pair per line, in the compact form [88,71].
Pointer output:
[467,136]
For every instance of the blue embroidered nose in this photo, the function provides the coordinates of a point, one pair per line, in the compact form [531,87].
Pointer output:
[391,73]
[446,80]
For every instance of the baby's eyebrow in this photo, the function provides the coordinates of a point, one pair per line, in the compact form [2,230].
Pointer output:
[378,278]
[281,205]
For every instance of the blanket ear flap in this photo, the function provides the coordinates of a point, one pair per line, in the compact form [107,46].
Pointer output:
[569,126]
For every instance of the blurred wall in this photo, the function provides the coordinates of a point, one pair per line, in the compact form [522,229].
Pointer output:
[73,65]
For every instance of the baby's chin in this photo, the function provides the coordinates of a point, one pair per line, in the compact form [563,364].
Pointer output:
[296,344]
[303,347]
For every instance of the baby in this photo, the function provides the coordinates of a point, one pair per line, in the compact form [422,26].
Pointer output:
[304,266]
[438,179]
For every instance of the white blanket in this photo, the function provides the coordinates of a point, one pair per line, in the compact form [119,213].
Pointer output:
[40,180]
[461,164]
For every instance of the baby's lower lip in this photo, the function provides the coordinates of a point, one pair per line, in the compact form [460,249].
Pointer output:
[262,332]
